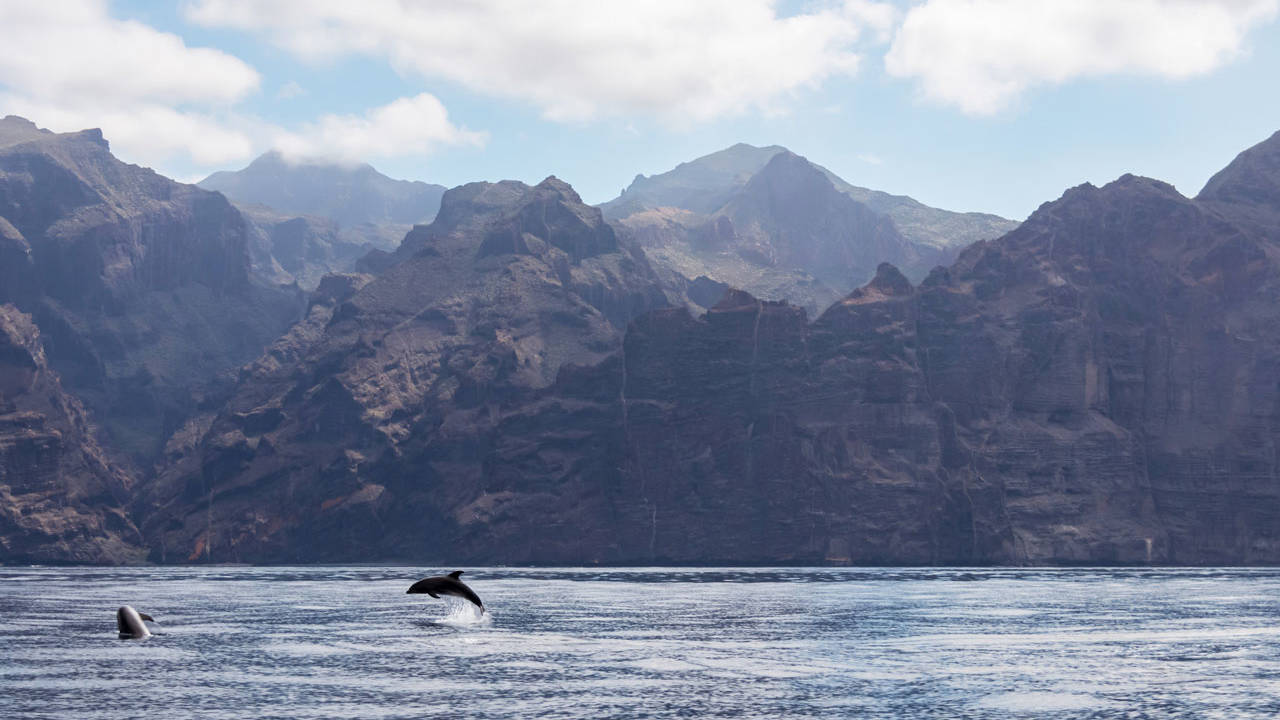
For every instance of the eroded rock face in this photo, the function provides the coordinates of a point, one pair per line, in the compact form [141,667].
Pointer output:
[1098,386]
[140,285]
[319,453]
[61,500]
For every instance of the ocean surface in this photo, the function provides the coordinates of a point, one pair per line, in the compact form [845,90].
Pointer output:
[320,642]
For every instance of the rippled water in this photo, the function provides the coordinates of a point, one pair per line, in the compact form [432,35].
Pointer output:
[237,642]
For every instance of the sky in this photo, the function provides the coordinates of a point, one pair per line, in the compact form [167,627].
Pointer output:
[987,105]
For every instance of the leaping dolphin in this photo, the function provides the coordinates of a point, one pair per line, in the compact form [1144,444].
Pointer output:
[129,623]
[438,585]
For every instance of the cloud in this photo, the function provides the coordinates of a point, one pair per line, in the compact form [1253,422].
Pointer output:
[675,59]
[408,126]
[68,65]
[146,133]
[290,90]
[980,55]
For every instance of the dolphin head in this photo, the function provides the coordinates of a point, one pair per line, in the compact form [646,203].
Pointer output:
[129,623]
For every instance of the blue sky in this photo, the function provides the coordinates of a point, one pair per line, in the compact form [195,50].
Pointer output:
[991,105]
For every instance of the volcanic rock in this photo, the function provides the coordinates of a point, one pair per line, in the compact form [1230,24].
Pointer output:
[61,500]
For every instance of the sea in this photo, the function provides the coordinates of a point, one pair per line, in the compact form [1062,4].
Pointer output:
[347,642]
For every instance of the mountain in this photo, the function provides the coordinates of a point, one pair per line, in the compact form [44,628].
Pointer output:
[61,499]
[311,218]
[348,195]
[1100,385]
[378,404]
[1246,189]
[303,249]
[773,223]
[705,184]
[701,186]
[139,286]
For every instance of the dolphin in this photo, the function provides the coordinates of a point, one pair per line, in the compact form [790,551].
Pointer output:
[438,585]
[129,623]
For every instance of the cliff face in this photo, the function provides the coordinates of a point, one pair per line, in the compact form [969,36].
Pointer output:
[140,285]
[318,454]
[1098,386]
[60,498]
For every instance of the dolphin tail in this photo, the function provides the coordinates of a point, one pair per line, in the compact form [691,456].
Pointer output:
[147,617]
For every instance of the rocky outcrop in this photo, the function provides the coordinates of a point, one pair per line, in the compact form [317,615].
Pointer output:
[61,500]
[315,455]
[140,286]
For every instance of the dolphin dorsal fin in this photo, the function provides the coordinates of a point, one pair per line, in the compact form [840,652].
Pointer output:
[455,574]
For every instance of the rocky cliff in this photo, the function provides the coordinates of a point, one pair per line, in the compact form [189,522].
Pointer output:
[61,499]
[1098,386]
[319,453]
[140,285]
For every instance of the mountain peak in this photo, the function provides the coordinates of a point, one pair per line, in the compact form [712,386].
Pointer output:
[15,130]
[701,185]
[1252,178]
[347,194]
[560,187]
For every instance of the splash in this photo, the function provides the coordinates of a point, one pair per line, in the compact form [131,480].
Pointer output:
[463,614]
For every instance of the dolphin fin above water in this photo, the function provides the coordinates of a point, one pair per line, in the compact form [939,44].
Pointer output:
[438,585]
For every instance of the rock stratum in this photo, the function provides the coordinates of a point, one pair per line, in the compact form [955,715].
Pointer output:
[1101,386]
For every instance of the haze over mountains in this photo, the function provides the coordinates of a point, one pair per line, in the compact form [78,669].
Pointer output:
[309,218]
[530,379]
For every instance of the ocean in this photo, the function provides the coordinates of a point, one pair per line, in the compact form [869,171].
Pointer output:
[329,642]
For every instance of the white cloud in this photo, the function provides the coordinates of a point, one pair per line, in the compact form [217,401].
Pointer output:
[290,90]
[68,65]
[575,60]
[408,126]
[146,133]
[981,54]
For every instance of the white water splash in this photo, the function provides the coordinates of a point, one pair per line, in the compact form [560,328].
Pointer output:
[463,614]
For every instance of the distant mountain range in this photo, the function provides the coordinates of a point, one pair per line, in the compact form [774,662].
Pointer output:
[312,218]
[347,195]
[773,223]
[524,381]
